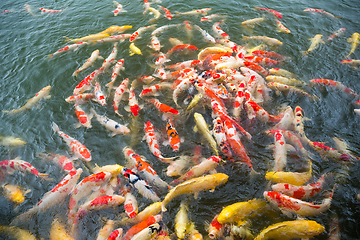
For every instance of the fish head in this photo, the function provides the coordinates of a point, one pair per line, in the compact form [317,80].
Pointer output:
[220,178]
[314,228]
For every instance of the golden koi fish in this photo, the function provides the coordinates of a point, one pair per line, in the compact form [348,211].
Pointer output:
[195,185]
[134,49]
[17,233]
[314,43]
[205,131]
[58,231]
[354,40]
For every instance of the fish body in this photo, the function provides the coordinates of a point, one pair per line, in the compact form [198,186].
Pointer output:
[355,63]
[268,54]
[294,178]
[182,221]
[168,14]
[329,152]
[137,33]
[216,229]
[207,37]
[289,204]
[173,136]
[265,39]
[79,150]
[155,43]
[72,47]
[319,11]
[219,32]
[281,27]
[17,233]
[10,166]
[354,40]
[299,124]
[84,119]
[282,73]
[183,65]
[11,142]
[291,229]
[148,233]
[119,8]
[177,167]
[43,93]
[279,151]
[275,13]
[119,92]
[116,70]
[220,137]
[89,62]
[14,193]
[334,85]
[267,62]
[203,11]
[110,59]
[113,39]
[315,41]
[211,17]
[116,234]
[86,83]
[336,34]
[285,80]
[156,13]
[45,10]
[255,110]
[154,89]
[62,161]
[134,49]
[111,125]
[162,107]
[133,107]
[194,186]
[58,231]
[253,21]
[130,205]
[205,132]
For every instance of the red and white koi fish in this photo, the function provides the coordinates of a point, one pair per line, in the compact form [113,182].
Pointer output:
[10,166]
[110,59]
[111,125]
[279,87]
[181,48]
[275,13]
[106,230]
[177,167]
[211,17]
[163,28]
[319,11]
[152,142]
[130,205]
[220,137]
[53,197]
[65,163]
[99,95]
[86,83]
[137,33]
[89,62]
[71,47]
[300,192]
[185,64]
[218,31]
[146,6]
[153,90]
[267,40]
[144,222]
[140,184]
[118,66]
[215,228]
[99,203]
[162,59]
[84,119]
[167,13]
[184,84]
[203,11]
[79,150]
[281,27]
[292,205]
[227,43]
[116,234]
[133,103]
[148,233]
[200,169]
[45,10]
[261,60]
[257,68]
[354,63]
[188,29]
[299,125]
[235,143]
[286,122]
[144,169]
[334,85]
[162,107]
[280,152]
[239,101]
[114,38]
[119,8]
[207,37]
[173,136]
[162,73]
[145,79]
[329,152]
[336,34]
[155,43]
[119,92]
[268,54]
[206,91]
[43,93]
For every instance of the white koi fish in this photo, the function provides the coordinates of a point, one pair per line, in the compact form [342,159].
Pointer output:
[43,93]
[207,37]
[219,32]
[79,150]
[115,38]
[111,125]
[134,106]
[99,95]
[155,43]
[130,205]
[177,167]
[89,62]
[119,8]
[72,47]
[86,83]
[110,59]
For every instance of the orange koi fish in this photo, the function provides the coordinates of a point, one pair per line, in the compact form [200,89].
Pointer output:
[137,33]
[334,85]
[84,119]
[182,48]
[173,136]
[268,54]
[261,60]
[167,13]
[162,107]
[153,90]
[75,146]
[140,226]
[257,68]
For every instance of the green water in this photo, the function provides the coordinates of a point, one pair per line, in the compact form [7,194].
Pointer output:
[26,41]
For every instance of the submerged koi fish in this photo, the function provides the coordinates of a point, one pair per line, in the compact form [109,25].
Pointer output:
[207,37]
[10,166]
[145,221]
[111,125]
[137,33]
[181,220]
[299,125]
[203,11]
[294,178]
[45,10]
[265,39]
[119,8]
[329,152]
[281,27]
[99,95]
[14,193]
[194,186]
[167,13]
[72,47]
[43,93]
[62,161]
[336,34]
[219,32]
[86,83]
[89,62]
[220,137]
[334,85]
[275,13]
[204,130]
[75,146]
[119,92]
[134,106]
[118,66]
[354,40]
[354,63]
[315,41]
[320,11]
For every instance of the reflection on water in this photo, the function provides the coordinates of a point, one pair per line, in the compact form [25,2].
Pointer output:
[27,40]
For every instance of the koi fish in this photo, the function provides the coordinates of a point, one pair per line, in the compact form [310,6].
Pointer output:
[285,80]
[354,63]
[218,31]
[292,229]
[58,231]
[99,95]
[299,125]
[111,125]
[279,151]
[281,27]
[118,66]
[257,68]
[155,43]
[140,185]
[89,62]
[300,192]
[148,233]
[110,59]
[281,72]
[144,169]
[261,60]
[253,21]
[237,212]
[173,136]
[336,34]
[137,33]
[123,87]
[45,10]
[133,107]
[43,93]
[146,222]
[315,41]
[215,228]
[86,83]
[294,178]
[153,90]
[211,17]
[10,166]
[17,233]
[146,79]
[181,220]
[184,84]
[29,9]
[334,85]
[275,13]
[265,39]
[289,89]
[53,197]
[75,146]
[354,40]
[203,11]
[114,38]
[14,193]
[84,119]
[162,107]
[106,33]
[220,137]
[207,37]
[65,163]
[156,13]
[202,126]
[134,49]
[292,205]
[177,167]
[320,11]
[185,64]
[202,168]
[130,205]
[116,234]
[239,101]
[162,59]
[72,47]
[329,152]
[11,142]
[106,230]
[152,142]
[167,13]
[119,8]
[181,48]
[194,186]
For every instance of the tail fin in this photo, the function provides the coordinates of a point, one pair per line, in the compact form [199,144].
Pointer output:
[67,39]
[55,127]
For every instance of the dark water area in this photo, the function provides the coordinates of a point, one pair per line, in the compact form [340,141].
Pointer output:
[27,39]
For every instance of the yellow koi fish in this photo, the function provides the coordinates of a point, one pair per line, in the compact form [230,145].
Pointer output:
[43,93]
[58,231]
[134,49]
[205,132]
[194,186]
[315,41]
[182,221]
[106,33]
[17,233]
[14,193]
[354,40]
[11,142]
[291,229]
